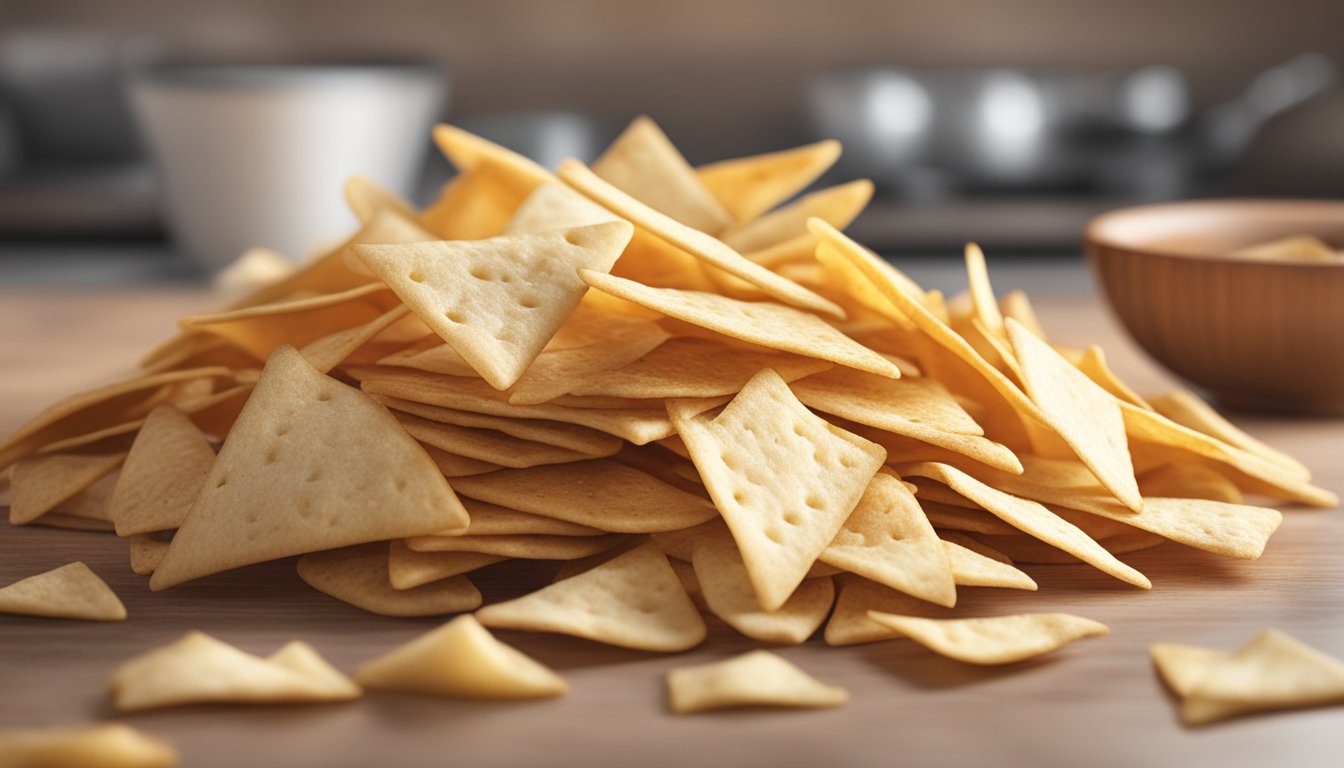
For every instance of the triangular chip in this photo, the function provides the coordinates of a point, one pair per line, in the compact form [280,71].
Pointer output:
[147,551]
[971,568]
[1031,518]
[837,206]
[330,351]
[750,186]
[408,569]
[634,600]
[643,163]
[728,593]
[107,745]
[310,464]
[1085,415]
[784,479]
[849,623]
[754,679]
[1188,410]
[467,150]
[1273,671]
[555,206]
[476,204]
[359,576]
[996,639]
[1189,481]
[558,372]
[198,669]
[764,323]
[1092,362]
[1183,666]
[461,659]
[163,474]
[888,539]
[40,483]
[367,198]
[700,245]
[498,301]
[600,493]
[1233,530]
[69,592]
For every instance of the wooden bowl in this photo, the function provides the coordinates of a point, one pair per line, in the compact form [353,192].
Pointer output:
[1258,335]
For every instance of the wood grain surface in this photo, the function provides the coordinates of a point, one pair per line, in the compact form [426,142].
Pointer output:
[1096,703]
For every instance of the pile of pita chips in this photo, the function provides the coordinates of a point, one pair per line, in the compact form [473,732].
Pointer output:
[687,384]
[1272,671]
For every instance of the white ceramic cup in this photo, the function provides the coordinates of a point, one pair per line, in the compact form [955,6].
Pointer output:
[259,155]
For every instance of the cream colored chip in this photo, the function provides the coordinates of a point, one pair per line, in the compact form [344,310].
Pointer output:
[72,591]
[754,679]
[643,163]
[692,241]
[467,150]
[359,576]
[461,659]
[971,567]
[559,371]
[199,669]
[784,479]
[41,483]
[408,569]
[1030,518]
[837,206]
[163,474]
[888,539]
[986,307]
[600,493]
[1092,362]
[728,593]
[497,301]
[634,600]
[1189,481]
[332,350]
[555,206]
[107,745]
[767,324]
[1085,415]
[310,464]
[750,186]
[1232,530]
[996,639]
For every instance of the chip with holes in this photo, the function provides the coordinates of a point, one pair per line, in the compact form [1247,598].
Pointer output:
[784,479]
[498,301]
[634,600]
[754,679]
[311,464]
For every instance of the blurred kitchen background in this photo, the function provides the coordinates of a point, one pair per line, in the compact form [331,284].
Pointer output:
[1008,122]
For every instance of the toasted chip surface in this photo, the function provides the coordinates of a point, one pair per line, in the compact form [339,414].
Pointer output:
[783,479]
[461,659]
[310,464]
[754,679]
[750,186]
[163,474]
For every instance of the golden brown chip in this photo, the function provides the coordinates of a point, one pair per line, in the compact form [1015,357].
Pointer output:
[359,576]
[69,592]
[750,186]
[408,569]
[837,206]
[163,474]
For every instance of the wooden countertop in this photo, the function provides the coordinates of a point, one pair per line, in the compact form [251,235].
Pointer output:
[1097,703]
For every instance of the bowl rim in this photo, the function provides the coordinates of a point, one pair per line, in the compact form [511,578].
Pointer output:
[1093,238]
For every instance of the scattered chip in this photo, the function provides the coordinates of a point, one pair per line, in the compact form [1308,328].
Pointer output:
[634,600]
[72,591]
[461,659]
[359,576]
[109,745]
[198,669]
[996,639]
[754,679]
